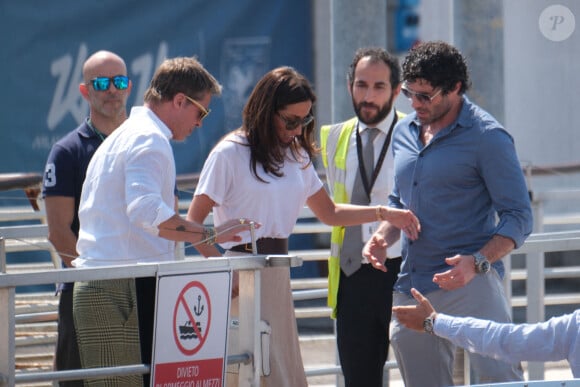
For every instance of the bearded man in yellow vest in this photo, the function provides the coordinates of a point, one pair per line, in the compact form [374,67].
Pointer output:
[359,293]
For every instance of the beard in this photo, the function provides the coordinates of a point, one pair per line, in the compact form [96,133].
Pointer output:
[381,111]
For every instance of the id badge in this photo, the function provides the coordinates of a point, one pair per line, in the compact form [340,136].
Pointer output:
[368,229]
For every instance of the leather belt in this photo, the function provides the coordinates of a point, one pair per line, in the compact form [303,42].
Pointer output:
[264,246]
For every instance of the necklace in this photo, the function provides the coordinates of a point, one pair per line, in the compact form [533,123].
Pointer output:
[99,134]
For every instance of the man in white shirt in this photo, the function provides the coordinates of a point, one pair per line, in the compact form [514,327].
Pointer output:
[552,340]
[127,216]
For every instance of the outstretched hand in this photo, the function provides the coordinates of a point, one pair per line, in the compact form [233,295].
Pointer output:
[375,250]
[412,316]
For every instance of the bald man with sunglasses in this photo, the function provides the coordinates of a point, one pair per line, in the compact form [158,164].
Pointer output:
[106,88]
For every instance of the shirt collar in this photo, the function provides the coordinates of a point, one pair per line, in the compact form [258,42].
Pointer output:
[144,110]
[383,126]
[85,130]
[463,119]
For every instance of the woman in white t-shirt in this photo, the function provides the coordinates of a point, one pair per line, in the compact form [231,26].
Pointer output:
[264,171]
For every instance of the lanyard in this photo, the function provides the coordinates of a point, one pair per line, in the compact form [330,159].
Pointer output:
[368,187]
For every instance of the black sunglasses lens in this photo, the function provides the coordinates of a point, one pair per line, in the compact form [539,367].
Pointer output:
[101,84]
[121,82]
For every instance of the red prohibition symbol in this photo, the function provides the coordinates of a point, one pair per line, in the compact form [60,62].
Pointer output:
[191,318]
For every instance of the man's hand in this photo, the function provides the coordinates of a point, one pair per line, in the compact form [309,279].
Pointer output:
[413,316]
[461,273]
[375,250]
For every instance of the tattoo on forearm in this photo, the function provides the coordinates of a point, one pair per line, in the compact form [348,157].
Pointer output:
[182,228]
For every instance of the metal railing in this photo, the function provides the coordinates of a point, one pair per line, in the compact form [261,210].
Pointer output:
[304,289]
[249,337]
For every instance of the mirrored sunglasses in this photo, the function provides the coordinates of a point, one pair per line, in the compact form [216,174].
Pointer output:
[121,82]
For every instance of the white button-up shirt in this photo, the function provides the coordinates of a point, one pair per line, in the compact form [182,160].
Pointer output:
[128,191]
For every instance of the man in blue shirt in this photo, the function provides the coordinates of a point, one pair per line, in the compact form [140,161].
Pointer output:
[552,340]
[64,175]
[456,168]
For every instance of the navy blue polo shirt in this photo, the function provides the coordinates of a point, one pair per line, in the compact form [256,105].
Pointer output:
[67,164]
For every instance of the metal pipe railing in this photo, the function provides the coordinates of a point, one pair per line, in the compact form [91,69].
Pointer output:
[247,265]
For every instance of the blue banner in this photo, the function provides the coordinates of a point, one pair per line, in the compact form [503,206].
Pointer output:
[46,43]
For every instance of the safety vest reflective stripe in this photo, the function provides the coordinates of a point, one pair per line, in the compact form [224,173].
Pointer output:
[334,140]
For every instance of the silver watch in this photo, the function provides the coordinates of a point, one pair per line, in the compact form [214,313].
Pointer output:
[428,323]
[482,265]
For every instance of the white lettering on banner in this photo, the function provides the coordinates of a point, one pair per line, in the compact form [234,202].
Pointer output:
[67,98]
[71,100]
[142,68]
[187,372]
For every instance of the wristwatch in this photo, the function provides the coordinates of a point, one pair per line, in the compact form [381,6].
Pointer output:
[482,265]
[428,323]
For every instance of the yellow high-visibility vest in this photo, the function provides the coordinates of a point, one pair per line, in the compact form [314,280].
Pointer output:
[334,140]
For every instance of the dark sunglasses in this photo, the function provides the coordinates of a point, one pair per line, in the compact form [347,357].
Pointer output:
[121,82]
[292,124]
[421,97]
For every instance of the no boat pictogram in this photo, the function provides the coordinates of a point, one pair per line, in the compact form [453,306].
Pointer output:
[191,318]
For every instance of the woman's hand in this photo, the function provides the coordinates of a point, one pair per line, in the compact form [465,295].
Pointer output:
[403,219]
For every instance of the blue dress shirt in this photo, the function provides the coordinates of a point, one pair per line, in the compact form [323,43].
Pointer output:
[465,186]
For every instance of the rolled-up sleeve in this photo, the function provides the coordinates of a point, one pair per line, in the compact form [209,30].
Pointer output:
[506,185]
[149,193]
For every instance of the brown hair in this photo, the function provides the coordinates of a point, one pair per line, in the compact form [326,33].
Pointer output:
[181,75]
[277,89]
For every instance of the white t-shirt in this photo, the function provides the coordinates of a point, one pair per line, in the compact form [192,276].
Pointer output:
[227,179]
[127,193]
